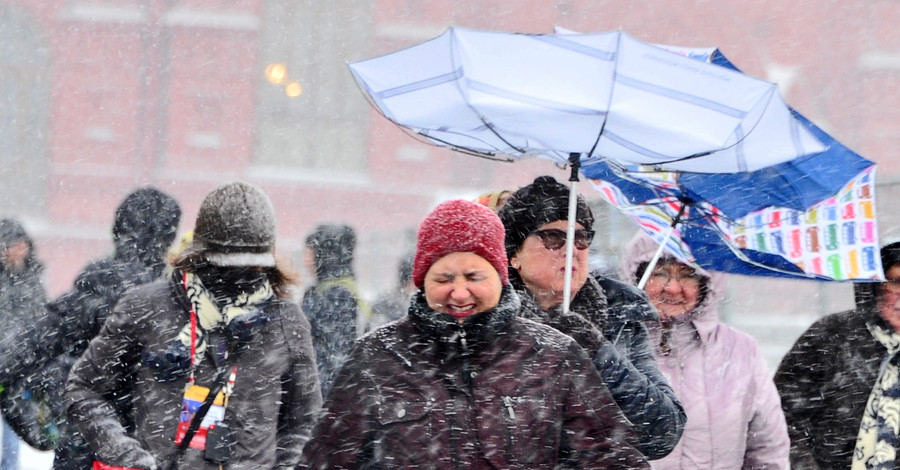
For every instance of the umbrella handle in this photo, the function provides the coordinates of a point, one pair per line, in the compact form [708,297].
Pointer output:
[570,246]
[575,163]
[646,276]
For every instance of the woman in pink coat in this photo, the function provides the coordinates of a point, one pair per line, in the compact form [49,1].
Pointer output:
[734,417]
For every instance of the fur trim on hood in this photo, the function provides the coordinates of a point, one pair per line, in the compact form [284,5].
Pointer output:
[640,249]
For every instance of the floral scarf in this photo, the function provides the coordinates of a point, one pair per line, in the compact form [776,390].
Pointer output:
[877,441]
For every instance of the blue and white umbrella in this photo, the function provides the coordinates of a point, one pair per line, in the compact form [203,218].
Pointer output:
[812,217]
[579,99]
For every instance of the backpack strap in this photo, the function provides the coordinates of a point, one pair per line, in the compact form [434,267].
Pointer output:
[347,283]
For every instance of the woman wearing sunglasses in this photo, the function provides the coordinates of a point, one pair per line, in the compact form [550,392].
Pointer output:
[606,317]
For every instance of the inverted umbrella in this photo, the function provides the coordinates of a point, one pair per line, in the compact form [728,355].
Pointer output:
[606,95]
[577,99]
[764,222]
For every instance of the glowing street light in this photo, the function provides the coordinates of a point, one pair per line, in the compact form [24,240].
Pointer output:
[293,89]
[276,73]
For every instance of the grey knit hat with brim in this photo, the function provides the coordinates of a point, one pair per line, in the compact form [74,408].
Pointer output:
[236,227]
[535,205]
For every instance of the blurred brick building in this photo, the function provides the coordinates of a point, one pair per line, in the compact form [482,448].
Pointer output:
[100,96]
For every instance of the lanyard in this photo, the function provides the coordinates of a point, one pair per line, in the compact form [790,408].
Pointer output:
[232,376]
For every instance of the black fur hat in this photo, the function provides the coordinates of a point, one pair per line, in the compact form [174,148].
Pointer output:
[539,203]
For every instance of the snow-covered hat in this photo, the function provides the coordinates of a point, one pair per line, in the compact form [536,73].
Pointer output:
[456,227]
[236,227]
[539,203]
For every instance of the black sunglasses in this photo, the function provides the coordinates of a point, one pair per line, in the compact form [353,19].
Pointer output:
[554,238]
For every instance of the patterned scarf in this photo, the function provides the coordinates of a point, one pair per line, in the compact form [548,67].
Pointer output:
[210,315]
[877,441]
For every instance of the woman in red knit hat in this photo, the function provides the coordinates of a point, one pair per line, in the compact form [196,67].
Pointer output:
[462,381]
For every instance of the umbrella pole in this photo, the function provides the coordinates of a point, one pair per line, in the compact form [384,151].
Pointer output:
[646,276]
[574,163]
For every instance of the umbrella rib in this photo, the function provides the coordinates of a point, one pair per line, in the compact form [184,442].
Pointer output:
[421,84]
[522,98]
[680,96]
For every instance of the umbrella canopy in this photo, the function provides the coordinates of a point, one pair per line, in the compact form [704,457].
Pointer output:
[606,95]
[778,221]
[583,98]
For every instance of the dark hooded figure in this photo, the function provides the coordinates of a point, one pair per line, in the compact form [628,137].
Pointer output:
[219,325]
[333,305]
[22,301]
[606,317]
[145,225]
[840,382]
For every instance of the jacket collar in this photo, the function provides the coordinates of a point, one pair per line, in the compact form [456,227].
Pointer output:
[477,328]
[589,302]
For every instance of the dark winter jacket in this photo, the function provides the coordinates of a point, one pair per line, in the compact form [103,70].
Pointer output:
[24,401]
[331,306]
[144,226]
[824,382]
[72,321]
[497,391]
[275,398]
[606,318]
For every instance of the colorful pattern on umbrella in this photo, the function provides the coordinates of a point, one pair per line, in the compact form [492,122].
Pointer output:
[835,239]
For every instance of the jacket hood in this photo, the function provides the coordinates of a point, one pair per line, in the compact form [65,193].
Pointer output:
[12,232]
[333,246]
[641,248]
[145,226]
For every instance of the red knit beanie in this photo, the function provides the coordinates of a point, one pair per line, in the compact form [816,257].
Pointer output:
[456,227]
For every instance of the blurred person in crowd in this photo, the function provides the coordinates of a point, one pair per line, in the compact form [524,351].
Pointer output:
[605,316]
[840,382]
[462,381]
[179,246]
[393,304]
[333,305]
[145,224]
[219,365]
[734,417]
[22,300]
[494,200]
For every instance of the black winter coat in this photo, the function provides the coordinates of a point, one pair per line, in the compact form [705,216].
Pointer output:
[824,382]
[276,392]
[71,322]
[497,391]
[607,319]
[25,398]
[332,310]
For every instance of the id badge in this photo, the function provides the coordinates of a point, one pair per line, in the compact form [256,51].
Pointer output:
[194,397]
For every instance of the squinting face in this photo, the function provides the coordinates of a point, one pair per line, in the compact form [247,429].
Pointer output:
[674,289]
[543,270]
[889,300]
[462,284]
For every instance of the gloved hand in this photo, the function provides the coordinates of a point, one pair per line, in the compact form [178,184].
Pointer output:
[175,362]
[579,328]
